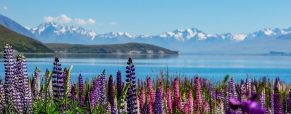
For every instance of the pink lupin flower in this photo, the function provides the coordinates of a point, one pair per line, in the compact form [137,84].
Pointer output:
[177,97]
[190,102]
[150,105]
[141,99]
[150,94]
[169,101]
[206,107]
[187,109]
[198,97]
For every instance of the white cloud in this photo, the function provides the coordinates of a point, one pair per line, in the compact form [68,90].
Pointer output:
[63,18]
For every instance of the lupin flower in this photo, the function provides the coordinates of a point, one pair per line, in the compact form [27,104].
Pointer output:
[248,106]
[9,73]
[186,109]
[145,109]
[102,89]
[131,93]
[231,93]
[177,98]
[119,84]
[206,107]
[81,90]
[92,97]
[263,98]
[190,102]
[58,80]
[111,94]
[198,97]
[142,99]
[150,95]
[277,100]
[158,102]
[169,101]
[25,88]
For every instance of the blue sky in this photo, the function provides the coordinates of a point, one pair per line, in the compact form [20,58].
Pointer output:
[153,16]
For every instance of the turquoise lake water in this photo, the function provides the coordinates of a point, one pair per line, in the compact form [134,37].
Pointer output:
[213,67]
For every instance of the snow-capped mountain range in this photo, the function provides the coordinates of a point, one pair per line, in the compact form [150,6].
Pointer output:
[64,32]
[184,40]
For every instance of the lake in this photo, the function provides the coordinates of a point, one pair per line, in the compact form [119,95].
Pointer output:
[213,67]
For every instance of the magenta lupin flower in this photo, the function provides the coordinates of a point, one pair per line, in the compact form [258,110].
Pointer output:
[142,99]
[169,101]
[150,90]
[186,109]
[177,98]
[149,106]
[206,107]
[190,102]
[198,96]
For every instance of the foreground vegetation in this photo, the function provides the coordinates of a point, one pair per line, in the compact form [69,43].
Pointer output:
[54,93]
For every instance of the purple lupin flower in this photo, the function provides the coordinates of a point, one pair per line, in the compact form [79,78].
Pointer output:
[131,93]
[111,94]
[57,80]
[25,88]
[231,93]
[102,90]
[145,109]
[9,73]
[81,90]
[248,106]
[158,102]
[119,84]
[263,99]
[11,82]
[277,100]
[150,95]
[92,97]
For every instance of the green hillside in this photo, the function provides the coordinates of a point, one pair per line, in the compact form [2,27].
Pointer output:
[127,48]
[21,43]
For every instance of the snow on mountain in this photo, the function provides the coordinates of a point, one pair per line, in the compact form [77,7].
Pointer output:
[62,30]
